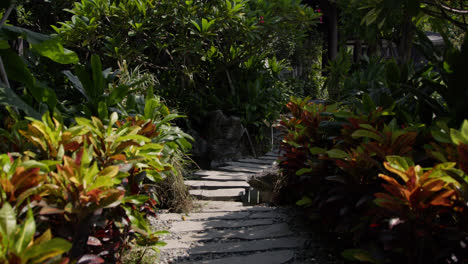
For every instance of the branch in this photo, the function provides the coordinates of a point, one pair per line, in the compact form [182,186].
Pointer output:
[443,15]
[453,10]
[7,14]
[3,74]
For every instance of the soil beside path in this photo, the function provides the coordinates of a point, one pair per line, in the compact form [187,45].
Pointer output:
[221,229]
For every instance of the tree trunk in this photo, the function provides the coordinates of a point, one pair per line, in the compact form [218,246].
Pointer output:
[406,41]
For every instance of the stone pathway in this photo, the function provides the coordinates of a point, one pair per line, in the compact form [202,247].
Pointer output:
[222,230]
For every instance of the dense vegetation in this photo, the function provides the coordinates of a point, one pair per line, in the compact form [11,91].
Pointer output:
[90,145]
[88,152]
[384,164]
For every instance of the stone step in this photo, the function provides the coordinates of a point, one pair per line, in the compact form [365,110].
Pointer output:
[246,246]
[240,169]
[217,184]
[257,161]
[186,226]
[235,247]
[275,257]
[219,194]
[248,214]
[275,153]
[227,206]
[222,173]
[255,233]
[247,165]
[226,178]
[268,158]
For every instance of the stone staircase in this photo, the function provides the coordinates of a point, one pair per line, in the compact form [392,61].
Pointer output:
[229,182]
[223,230]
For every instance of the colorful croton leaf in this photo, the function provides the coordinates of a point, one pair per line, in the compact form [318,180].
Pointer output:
[19,180]
[18,243]
[79,187]
[421,189]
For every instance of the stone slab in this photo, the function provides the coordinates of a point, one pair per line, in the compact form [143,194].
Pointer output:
[246,246]
[248,165]
[258,232]
[219,194]
[268,158]
[228,206]
[217,184]
[204,216]
[186,226]
[257,161]
[240,169]
[274,153]
[224,215]
[226,178]
[275,257]
[221,173]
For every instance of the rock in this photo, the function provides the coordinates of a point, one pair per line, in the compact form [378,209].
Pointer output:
[224,135]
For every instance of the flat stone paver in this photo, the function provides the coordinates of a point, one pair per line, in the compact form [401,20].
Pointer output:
[204,216]
[276,257]
[219,194]
[222,173]
[248,165]
[257,161]
[185,226]
[241,169]
[255,233]
[268,158]
[226,178]
[223,231]
[246,246]
[218,184]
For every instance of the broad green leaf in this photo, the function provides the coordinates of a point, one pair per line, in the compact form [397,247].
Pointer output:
[303,171]
[457,137]
[150,106]
[168,118]
[4,44]
[54,50]
[133,137]
[9,98]
[76,83]
[7,220]
[305,201]
[366,133]
[196,25]
[358,254]
[46,250]
[103,111]
[337,154]
[16,69]
[98,78]
[135,199]
[30,36]
[400,163]
[118,94]
[316,150]
[26,233]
